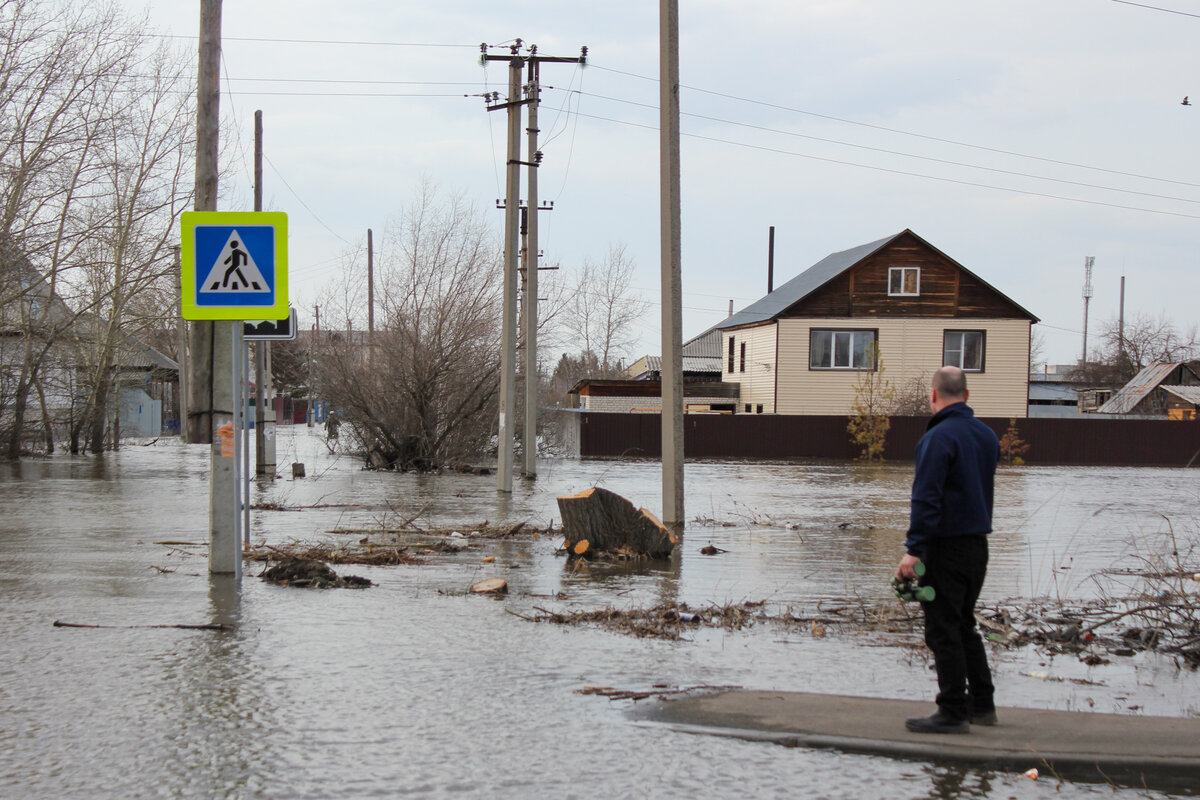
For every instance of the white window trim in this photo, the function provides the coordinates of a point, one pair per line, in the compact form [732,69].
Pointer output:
[961,332]
[903,293]
[836,332]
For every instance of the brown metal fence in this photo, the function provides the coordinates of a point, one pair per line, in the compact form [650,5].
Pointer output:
[1088,440]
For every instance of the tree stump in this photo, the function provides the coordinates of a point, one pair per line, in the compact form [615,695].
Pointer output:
[604,522]
[490,586]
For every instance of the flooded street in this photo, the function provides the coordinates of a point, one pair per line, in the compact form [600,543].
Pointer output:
[415,687]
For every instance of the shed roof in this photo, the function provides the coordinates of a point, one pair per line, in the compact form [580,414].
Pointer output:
[1190,394]
[1134,392]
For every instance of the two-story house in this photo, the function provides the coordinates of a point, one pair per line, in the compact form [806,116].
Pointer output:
[800,349]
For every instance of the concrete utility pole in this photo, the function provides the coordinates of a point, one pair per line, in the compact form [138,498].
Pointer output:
[529,445]
[199,425]
[508,355]
[508,352]
[264,406]
[671,264]
[216,346]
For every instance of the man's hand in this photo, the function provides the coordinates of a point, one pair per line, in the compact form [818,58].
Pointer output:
[905,570]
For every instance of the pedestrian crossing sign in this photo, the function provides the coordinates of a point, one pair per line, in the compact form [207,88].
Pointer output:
[234,265]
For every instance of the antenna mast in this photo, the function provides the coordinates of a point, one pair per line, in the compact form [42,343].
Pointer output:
[1087,297]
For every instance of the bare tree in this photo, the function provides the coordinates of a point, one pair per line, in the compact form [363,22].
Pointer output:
[604,309]
[1145,339]
[423,392]
[60,72]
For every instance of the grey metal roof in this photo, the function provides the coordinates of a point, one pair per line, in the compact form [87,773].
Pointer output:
[707,344]
[690,363]
[1042,391]
[1190,394]
[1134,392]
[804,284]
[825,270]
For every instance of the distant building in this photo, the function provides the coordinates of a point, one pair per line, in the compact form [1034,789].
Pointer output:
[1054,392]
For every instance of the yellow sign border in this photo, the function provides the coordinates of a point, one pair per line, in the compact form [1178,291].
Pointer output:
[187,263]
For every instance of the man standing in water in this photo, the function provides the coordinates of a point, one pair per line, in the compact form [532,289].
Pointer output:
[950,518]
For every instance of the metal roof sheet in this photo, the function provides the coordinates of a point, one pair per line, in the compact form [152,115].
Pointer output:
[690,363]
[1190,394]
[1052,392]
[804,284]
[1134,392]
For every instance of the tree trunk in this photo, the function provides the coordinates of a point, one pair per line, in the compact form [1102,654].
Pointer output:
[609,523]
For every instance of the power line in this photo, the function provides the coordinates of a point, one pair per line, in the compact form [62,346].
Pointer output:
[269,40]
[886,129]
[886,151]
[301,200]
[1156,8]
[907,173]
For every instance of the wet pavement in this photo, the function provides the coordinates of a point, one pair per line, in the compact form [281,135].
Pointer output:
[1135,751]
[415,687]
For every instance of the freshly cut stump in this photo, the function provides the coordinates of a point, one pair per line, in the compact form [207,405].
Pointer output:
[490,586]
[604,522]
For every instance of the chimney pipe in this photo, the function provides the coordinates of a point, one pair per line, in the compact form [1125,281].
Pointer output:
[771,261]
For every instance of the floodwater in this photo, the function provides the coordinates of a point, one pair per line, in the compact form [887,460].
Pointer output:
[416,688]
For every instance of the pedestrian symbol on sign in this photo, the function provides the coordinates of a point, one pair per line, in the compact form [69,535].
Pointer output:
[234,270]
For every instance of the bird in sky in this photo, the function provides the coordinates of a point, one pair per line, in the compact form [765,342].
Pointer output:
[1185,101]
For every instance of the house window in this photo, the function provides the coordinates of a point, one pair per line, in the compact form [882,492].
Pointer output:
[747,408]
[832,349]
[731,354]
[758,408]
[742,363]
[904,281]
[963,349]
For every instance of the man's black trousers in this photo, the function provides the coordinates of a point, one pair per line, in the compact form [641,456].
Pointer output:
[955,567]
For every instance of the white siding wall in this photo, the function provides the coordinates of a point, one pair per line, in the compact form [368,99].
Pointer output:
[908,347]
[625,405]
[758,381]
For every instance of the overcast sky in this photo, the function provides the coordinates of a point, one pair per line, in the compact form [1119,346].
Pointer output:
[1017,136]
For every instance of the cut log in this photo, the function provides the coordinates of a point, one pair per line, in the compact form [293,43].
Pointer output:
[490,586]
[604,522]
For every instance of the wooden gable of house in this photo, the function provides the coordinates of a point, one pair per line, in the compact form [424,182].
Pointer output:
[947,289]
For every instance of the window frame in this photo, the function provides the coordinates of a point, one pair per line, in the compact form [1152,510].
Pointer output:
[961,349]
[742,357]
[731,350]
[903,272]
[873,333]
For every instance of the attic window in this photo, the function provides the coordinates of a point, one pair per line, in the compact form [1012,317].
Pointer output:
[904,281]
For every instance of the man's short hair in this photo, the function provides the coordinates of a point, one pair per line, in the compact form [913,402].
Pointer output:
[950,382]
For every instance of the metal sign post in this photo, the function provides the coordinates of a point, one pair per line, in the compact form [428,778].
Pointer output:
[233,266]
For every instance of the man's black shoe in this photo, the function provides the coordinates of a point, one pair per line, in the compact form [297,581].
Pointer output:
[984,717]
[937,723]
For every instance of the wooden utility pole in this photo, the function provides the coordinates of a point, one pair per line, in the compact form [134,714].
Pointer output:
[370,292]
[264,405]
[310,415]
[670,266]
[216,346]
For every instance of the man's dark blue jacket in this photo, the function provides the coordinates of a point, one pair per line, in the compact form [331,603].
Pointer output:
[954,482]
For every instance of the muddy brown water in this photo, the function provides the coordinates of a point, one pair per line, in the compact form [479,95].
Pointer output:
[416,688]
